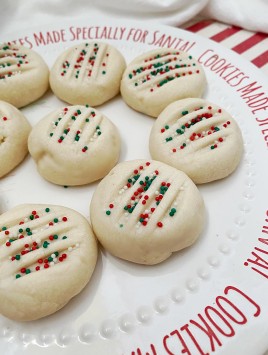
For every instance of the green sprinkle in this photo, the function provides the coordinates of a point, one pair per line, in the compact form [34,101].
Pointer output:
[55,236]
[87,119]
[130,76]
[51,134]
[45,244]
[121,225]
[108,213]
[56,220]
[17,257]
[184,112]
[47,209]
[31,217]
[190,57]
[104,72]
[4,228]
[20,230]
[50,258]
[136,84]
[28,229]
[79,112]
[57,253]
[28,271]
[64,237]
[212,147]
[18,276]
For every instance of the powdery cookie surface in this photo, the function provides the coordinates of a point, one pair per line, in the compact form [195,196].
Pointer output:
[23,75]
[199,138]
[156,78]
[143,211]
[74,145]
[88,73]
[14,131]
[47,256]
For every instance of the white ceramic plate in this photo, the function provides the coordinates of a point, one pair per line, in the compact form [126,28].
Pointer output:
[202,300]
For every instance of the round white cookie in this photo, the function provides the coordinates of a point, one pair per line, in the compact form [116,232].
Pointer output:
[143,211]
[74,145]
[47,256]
[23,75]
[14,131]
[197,137]
[156,78]
[87,73]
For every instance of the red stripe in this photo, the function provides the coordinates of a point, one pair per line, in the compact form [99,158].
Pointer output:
[225,33]
[199,26]
[250,42]
[261,60]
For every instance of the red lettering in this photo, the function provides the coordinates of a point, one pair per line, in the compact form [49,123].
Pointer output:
[215,311]
[250,300]
[208,331]
[221,299]
[185,349]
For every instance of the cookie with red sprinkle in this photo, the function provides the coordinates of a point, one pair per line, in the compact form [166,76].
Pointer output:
[23,75]
[47,256]
[14,131]
[156,78]
[74,145]
[199,138]
[143,211]
[87,73]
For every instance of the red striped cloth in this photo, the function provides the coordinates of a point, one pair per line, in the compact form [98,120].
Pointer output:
[252,46]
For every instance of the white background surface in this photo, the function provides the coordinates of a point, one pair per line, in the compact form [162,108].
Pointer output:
[109,316]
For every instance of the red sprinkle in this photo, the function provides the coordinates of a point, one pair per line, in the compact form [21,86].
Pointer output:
[8,244]
[159,224]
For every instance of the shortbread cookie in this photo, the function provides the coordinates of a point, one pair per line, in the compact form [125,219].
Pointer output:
[74,145]
[87,73]
[156,78]
[47,256]
[143,211]
[199,138]
[14,131]
[23,75]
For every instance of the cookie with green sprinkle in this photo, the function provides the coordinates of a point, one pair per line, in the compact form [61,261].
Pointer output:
[143,211]
[74,145]
[47,256]
[14,131]
[156,78]
[199,138]
[23,75]
[87,73]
